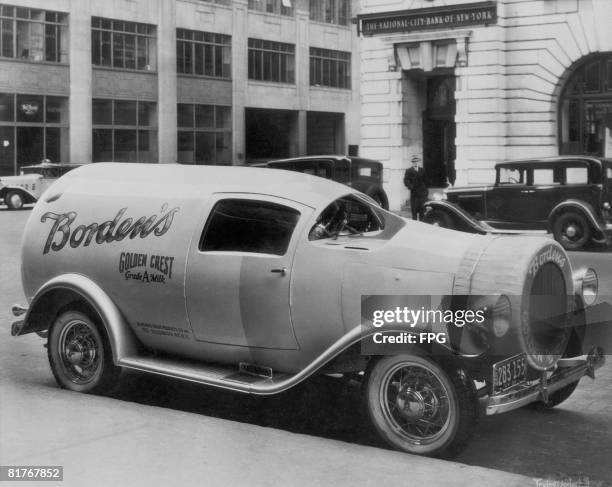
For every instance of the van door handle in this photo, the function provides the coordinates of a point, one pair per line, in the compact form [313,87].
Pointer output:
[282,271]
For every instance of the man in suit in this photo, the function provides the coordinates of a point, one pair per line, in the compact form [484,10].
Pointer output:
[414,180]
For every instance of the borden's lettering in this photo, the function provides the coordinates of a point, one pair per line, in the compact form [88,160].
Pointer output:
[106,232]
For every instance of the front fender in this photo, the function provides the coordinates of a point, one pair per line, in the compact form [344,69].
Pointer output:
[30,197]
[583,207]
[65,289]
[466,220]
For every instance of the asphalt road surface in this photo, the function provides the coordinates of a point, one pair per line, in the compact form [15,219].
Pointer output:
[156,431]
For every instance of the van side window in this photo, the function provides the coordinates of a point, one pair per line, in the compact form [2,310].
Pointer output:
[237,225]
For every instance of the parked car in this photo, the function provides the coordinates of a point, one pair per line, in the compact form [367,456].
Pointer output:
[253,280]
[16,191]
[569,196]
[365,175]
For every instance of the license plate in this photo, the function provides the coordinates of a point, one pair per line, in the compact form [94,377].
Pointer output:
[509,373]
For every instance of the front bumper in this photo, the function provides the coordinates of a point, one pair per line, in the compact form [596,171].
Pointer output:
[568,370]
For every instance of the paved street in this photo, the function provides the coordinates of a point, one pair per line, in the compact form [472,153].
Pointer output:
[154,431]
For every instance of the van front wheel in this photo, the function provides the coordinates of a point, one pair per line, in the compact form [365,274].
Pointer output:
[419,406]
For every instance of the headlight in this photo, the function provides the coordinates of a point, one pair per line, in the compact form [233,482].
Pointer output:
[589,286]
[586,284]
[502,316]
[606,206]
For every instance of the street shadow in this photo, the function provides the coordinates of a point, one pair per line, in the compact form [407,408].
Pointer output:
[547,444]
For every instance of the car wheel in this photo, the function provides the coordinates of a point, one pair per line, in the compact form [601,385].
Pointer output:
[572,230]
[419,406]
[14,200]
[439,218]
[79,354]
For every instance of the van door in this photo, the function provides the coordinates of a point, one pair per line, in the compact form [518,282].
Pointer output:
[237,285]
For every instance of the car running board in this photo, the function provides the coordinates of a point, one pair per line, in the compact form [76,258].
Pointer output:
[229,377]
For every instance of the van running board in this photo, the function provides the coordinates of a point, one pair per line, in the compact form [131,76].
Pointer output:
[226,377]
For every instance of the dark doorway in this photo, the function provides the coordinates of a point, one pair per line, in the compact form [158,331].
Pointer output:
[439,132]
[269,133]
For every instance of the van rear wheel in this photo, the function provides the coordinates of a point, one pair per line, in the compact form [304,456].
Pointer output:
[79,354]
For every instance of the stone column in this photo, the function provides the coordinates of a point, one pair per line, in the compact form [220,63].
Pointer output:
[80,82]
[239,79]
[166,82]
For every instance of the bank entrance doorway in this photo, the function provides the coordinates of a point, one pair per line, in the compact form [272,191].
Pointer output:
[439,132]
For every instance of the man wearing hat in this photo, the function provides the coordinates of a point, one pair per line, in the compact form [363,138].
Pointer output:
[414,180]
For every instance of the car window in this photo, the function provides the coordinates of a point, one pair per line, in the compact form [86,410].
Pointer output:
[241,225]
[348,215]
[544,176]
[609,173]
[577,175]
[322,169]
[511,175]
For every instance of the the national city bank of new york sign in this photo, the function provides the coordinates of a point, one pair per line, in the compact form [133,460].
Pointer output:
[481,13]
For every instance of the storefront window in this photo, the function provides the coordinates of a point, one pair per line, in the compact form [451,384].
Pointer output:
[204,134]
[33,35]
[124,131]
[32,128]
[586,109]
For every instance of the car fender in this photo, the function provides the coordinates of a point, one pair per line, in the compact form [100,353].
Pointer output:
[583,207]
[475,226]
[65,289]
[30,197]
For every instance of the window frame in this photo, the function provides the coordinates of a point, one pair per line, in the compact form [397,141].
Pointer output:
[23,17]
[256,199]
[118,129]
[264,55]
[320,57]
[218,45]
[108,39]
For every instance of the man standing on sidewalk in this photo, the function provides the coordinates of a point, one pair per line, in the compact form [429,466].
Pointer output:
[414,180]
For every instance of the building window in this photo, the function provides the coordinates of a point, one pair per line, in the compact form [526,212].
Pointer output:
[124,131]
[279,7]
[331,11]
[204,134]
[203,53]
[271,61]
[33,35]
[122,45]
[330,68]
[586,109]
[32,128]
[218,2]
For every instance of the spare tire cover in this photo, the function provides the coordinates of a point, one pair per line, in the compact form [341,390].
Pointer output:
[535,274]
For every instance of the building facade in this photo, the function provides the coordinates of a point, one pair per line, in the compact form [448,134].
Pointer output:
[188,81]
[463,84]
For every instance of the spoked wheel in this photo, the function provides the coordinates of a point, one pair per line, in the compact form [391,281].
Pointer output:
[572,230]
[419,407]
[79,355]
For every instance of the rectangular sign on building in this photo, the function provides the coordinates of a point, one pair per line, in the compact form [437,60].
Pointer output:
[482,13]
